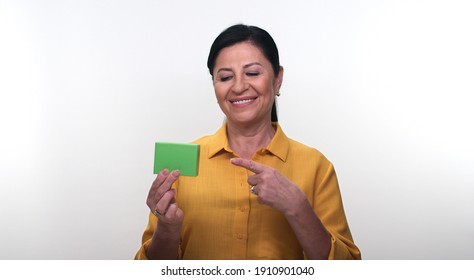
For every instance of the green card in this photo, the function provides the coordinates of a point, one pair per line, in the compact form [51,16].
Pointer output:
[184,157]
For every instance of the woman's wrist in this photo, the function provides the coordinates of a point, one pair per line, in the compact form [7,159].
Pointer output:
[298,207]
[167,232]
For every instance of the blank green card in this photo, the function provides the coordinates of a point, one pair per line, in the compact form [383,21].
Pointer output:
[184,157]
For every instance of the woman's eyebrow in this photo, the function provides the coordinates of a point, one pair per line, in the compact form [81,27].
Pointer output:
[223,69]
[245,67]
[252,64]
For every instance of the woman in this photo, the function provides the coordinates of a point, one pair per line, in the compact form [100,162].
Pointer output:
[259,194]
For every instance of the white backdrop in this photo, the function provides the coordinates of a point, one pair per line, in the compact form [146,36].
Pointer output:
[382,88]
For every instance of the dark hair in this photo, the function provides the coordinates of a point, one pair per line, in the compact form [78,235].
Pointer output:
[255,35]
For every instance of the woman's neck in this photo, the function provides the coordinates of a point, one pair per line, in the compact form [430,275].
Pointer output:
[246,140]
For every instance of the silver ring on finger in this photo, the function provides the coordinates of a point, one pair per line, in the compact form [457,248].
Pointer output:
[252,190]
[158,214]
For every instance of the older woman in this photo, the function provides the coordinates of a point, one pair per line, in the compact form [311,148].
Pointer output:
[259,194]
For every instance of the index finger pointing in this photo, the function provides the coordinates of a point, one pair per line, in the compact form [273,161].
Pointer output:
[253,166]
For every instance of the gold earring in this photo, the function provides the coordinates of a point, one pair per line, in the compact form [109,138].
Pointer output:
[278,94]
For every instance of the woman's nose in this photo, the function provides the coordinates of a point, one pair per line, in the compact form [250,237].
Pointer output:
[240,85]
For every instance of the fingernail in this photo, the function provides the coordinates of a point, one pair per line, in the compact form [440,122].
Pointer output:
[232,160]
[176,173]
[165,172]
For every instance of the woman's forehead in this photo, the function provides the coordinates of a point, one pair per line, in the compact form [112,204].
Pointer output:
[241,53]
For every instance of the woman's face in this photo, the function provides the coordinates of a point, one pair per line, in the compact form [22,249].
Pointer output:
[245,84]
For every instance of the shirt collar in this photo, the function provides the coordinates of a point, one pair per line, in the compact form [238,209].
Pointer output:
[219,142]
[279,145]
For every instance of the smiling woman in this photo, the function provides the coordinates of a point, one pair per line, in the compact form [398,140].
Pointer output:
[259,194]
[252,35]
[245,85]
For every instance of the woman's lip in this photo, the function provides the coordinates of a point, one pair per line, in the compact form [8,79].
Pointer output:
[242,101]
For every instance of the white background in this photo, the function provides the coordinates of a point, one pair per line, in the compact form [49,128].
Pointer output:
[383,88]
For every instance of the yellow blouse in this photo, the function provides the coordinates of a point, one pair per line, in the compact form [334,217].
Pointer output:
[223,220]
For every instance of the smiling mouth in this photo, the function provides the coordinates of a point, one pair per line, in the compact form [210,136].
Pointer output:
[243,101]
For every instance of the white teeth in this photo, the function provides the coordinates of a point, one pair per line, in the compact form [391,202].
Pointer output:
[242,101]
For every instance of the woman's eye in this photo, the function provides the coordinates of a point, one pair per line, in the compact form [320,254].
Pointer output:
[253,74]
[225,78]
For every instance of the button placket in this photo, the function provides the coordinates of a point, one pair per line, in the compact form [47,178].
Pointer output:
[241,216]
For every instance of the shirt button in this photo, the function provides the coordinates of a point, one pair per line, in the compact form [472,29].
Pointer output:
[242,209]
[239,236]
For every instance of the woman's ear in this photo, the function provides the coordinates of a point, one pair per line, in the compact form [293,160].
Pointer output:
[279,81]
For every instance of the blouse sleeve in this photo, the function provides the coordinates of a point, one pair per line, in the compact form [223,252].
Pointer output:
[327,202]
[146,238]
